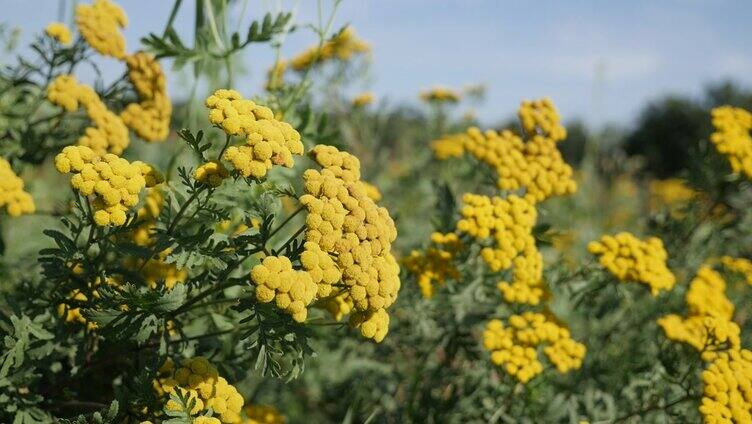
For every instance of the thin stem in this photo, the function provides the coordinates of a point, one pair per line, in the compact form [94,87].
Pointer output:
[227,144]
[173,14]
[276,230]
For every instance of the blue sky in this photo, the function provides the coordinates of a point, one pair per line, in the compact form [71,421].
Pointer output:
[598,60]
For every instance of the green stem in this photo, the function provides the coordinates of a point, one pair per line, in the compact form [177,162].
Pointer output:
[276,230]
[173,14]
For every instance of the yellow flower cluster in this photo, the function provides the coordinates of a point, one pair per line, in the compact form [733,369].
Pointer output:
[510,223]
[515,347]
[338,306]
[108,133]
[708,326]
[436,264]
[197,379]
[60,32]
[669,192]
[113,182]
[727,396]
[150,117]
[440,95]
[292,290]
[99,24]
[320,267]
[268,140]
[342,47]
[262,414]
[70,311]
[211,173]
[732,137]
[739,265]
[275,76]
[540,117]
[157,270]
[363,99]
[346,223]
[12,195]
[631,259]
[72,314]
[535,166]
[147,216]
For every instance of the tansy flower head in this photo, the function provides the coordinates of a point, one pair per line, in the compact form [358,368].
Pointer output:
[291,289]
[268,141]
[739,265]
[541,117]
[99,24]
[708,326]
[60,32]
[275,76]
[345,222]
[342,47]
[12,195]
[732,137]
[108,133]
[727,392]
[669,192]
[509,223]
[514,347]
[440,94]
[534,166]
[211,173]
[262,414]
[112,182]
[363,99]
[436,264]
[631,259]
[150,117]
[199,380]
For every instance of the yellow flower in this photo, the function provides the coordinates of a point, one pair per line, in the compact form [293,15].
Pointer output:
[113,183]
[150,117]
[739,265]
[727,393]
[630,259]
[509,222]
[436,264]
[108,133]
[199,380]
[268,141]
[211,173]
[440,94]
[708,326]
[345,222]
[540,117]
[363,99]
[732,137]
[60,32]
[669,192]
[341,47]
[99,24]
[292,290]
[12,195]
[514,347]
[275,76]
[263,414]
[534,166]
